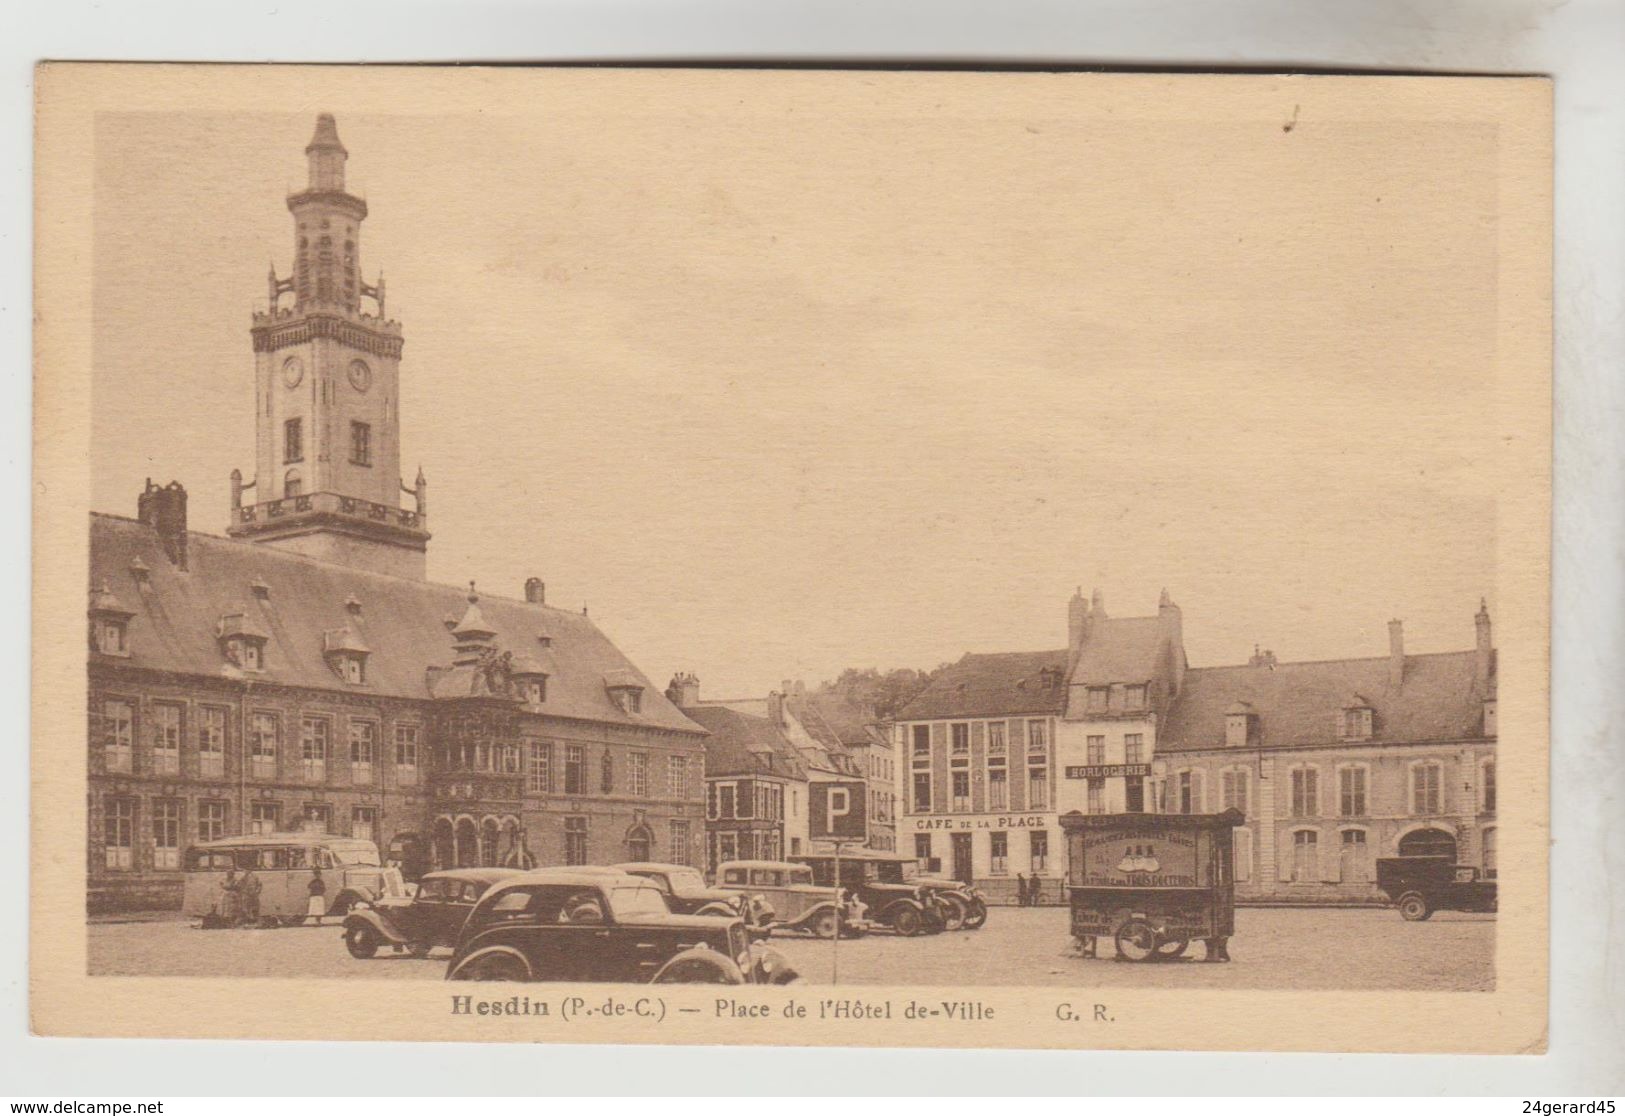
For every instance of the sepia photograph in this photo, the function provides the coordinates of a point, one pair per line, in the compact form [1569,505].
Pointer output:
[918,549]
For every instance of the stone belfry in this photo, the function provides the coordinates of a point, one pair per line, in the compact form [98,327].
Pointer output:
[327,479]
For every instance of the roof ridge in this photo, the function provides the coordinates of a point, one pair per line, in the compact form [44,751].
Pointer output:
[1409,655]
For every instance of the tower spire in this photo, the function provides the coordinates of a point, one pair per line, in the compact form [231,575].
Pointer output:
[326,155]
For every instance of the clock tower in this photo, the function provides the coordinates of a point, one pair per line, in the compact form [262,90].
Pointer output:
[327,479]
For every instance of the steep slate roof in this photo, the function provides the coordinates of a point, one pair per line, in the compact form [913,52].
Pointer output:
[742,744]
[835,718]
[1126,649]
[1298,703]
[988,685]
[403,621]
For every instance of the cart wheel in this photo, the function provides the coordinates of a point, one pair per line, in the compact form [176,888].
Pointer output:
[1136,940]
[1413,907]
[824,926]
[1172,948]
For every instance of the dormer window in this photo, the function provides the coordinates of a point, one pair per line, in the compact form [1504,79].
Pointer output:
[625,690]
[1239,725]
[242,641]
[1097,698]
[535,690]
[1133,697]
[1354,722]
[630,700]
[109,623]
[347,654]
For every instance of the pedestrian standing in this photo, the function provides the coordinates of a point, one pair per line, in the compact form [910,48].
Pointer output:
[316,907]
[226,912]
[1021,890]
[248,891]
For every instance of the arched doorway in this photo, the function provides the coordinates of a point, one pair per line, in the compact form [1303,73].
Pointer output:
[640,843]
[468,844]
[445,844]
[1428,842]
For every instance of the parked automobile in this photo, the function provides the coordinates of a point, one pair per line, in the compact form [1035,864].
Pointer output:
[875,879]
[686,893]
[966,906]
[564,924]
[796,902]
[1420,885]
[283,864]
[432,917]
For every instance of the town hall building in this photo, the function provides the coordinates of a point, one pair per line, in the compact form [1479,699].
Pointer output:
[300,672]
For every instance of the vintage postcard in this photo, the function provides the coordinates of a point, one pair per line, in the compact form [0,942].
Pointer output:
[804,557]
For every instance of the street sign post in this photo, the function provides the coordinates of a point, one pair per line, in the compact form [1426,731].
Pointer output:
[837,811]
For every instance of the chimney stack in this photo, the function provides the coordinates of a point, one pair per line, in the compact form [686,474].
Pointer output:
[775,707]
[1077,627]
[1396,654]
[684,690]
[1173,626]
[1097,606]
[1484,658]
[535,591]
[164,510]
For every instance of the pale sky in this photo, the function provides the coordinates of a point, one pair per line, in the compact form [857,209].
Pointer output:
[834,382]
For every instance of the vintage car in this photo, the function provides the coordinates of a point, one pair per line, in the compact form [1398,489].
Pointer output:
[875,879]
[283,864]
[563,924]
[966,907]
[686,893]
[1420,885]
[797,903]
[432,917]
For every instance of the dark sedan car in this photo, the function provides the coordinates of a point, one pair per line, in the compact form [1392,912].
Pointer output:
[432,917]
[686,892]
[562,924]
[875,880]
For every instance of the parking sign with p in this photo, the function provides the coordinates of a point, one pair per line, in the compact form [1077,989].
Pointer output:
[837,811]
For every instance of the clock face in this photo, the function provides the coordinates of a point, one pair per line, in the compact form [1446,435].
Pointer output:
[293,370]
[360,375]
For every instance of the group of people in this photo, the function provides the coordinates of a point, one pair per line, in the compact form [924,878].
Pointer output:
[1028,890]
[239,903]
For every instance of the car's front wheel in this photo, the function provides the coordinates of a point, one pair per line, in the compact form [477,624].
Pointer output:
[1413,908]
[953,913]
[908,922]
[696,970]
[362,941]
[977,918]
[825,925]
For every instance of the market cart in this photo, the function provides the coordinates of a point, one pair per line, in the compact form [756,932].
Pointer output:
[1151,883]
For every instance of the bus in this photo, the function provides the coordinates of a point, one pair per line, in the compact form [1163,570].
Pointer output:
[284,864]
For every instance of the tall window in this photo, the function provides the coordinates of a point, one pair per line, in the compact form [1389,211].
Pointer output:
[364,822]
[211,821]
[922,792]
[360,443]
[118,735]
[1487,782]
[1037,738]
[363,742]
[606,774]
[995,738]
[1233,791]
[726,793]
[1427,785]
[961,791]
[314,737]
[539,776]
[1134,794]
[264,817]
[922,740]
[1305,856]
[118,833]
[293,441]
[1040,849]
[922,847]
[1038,788]
[959,739]
[1351,792]
[1354,859]
[1489,853]
[998,788]
[211,741]
[999,853]
[575,770]
[319,816]
[1305,792]
[1097,796]
[681,849]
[1189,795]
[1134,747]
[1095,751]
[677,784]
[166,739]
[640,774]
[406,755]
[166,833]
[575,840]
[262,738]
